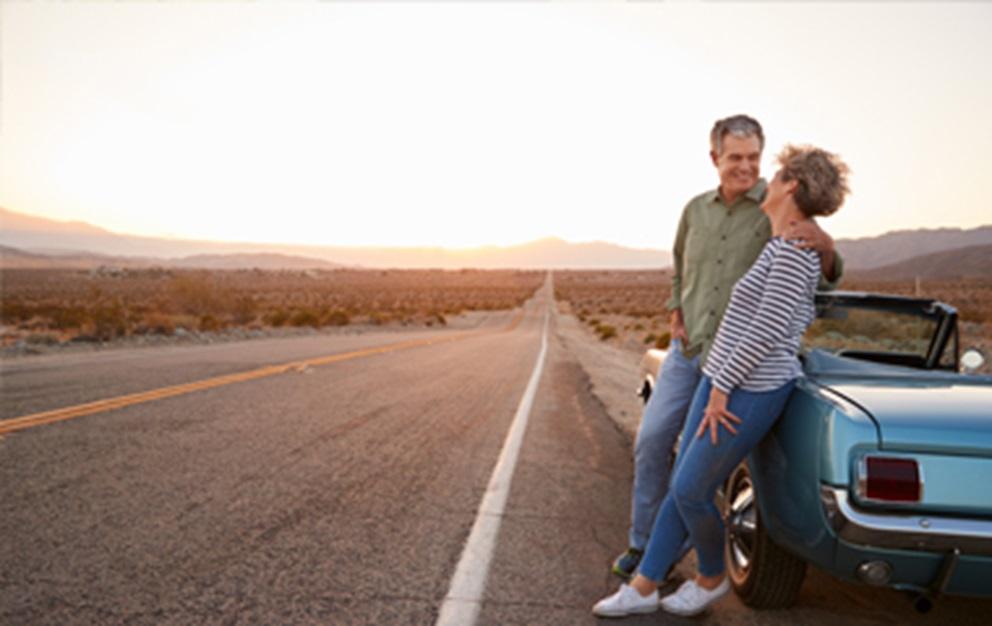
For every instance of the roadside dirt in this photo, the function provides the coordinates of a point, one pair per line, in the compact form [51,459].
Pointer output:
[612,368]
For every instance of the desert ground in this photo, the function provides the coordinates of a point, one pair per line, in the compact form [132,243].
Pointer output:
[47,309]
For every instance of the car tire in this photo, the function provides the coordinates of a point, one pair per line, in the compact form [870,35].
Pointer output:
[763,575]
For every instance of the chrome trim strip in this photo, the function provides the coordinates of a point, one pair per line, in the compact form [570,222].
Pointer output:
[901,531]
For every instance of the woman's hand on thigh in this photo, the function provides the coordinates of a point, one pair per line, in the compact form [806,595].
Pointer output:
[716,414]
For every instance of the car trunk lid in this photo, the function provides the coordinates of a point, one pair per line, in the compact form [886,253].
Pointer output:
[936,416]
[944,425]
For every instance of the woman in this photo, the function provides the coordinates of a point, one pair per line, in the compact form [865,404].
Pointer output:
[746,381]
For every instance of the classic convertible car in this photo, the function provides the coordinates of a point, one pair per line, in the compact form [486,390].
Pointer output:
[880,468]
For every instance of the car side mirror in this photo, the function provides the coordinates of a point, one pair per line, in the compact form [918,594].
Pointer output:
[971,360]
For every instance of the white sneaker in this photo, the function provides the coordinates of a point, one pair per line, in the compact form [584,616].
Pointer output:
[626,601]
[691,599]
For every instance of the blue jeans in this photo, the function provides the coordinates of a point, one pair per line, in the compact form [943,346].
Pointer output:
[688,509]
[660,426]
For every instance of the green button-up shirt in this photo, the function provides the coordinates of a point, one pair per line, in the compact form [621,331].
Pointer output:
[715,245]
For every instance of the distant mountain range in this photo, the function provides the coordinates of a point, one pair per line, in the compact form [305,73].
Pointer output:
[968,261]
[901,245]
[16,258]
[29,241]
[70,243]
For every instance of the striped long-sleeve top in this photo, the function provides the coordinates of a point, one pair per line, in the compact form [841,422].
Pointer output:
[770,308]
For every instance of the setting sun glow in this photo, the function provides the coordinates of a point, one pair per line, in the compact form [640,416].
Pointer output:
[463,125]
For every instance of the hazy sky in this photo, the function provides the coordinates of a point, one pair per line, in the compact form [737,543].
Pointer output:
[460,124]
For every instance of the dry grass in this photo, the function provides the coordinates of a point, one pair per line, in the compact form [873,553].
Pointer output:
[972,297]
[624,306]
[633,303]
[66,304]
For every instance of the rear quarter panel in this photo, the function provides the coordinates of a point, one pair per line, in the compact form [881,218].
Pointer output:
[812,442]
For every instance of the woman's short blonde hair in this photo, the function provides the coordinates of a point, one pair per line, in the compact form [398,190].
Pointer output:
[822,179]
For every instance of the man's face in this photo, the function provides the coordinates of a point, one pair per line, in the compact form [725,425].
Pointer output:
[739,164]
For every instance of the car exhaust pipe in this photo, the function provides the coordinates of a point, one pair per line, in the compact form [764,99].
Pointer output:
[923,602]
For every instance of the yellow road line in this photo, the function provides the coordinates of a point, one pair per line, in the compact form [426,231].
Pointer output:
[99,406]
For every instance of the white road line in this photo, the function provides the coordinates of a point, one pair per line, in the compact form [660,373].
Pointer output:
[461,605]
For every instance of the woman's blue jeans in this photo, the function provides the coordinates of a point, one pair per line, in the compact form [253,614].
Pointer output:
[701,468]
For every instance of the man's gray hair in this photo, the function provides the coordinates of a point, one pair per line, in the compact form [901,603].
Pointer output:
[737,125]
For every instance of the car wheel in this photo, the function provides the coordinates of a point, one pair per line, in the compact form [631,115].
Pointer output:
[763,575]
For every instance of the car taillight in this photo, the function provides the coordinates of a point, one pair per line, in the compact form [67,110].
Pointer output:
[888,479]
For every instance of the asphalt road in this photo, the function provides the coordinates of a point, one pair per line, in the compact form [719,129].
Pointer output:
[333,494]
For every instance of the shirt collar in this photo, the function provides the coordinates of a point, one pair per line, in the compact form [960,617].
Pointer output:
[755,194]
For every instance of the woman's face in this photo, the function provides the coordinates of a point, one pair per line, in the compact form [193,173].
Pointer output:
[778,191]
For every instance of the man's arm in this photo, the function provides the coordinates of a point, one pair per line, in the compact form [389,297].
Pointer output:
[676,327]
[809,235]
[830,279]
[676,322]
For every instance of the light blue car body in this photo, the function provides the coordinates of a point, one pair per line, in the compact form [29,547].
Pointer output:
[805,471]
[852,403]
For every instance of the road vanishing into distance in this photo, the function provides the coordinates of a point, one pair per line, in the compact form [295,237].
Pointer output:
[331,479]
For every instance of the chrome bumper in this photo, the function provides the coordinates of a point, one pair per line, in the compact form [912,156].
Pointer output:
[901,531]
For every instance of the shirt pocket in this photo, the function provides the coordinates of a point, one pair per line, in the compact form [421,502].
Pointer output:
[701,243]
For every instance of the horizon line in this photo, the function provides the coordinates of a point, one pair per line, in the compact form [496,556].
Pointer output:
[405,247]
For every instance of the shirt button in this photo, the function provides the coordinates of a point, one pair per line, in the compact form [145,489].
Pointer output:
[712,313]
[723,238]
[719,261]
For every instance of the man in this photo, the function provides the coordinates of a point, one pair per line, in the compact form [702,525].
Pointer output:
[720,234]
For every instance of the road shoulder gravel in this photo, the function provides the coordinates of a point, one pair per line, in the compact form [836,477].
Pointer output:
[611,370]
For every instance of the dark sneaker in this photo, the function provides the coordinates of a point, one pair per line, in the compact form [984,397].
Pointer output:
[626,564]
